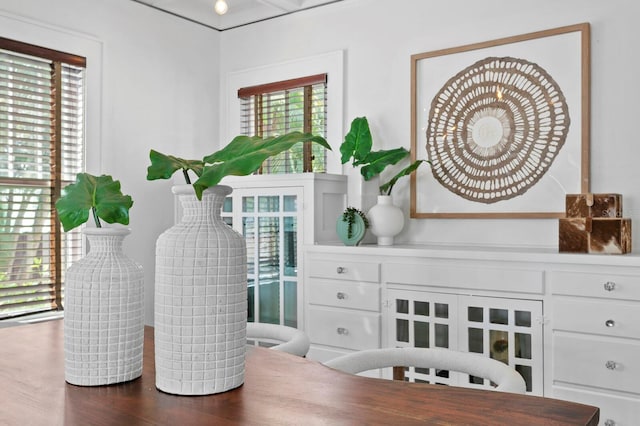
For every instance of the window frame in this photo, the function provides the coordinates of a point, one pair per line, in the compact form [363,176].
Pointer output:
[258,92]
[57,257]
[331,63]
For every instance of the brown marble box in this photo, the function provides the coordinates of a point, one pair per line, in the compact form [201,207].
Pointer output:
[593,205]
[595,235]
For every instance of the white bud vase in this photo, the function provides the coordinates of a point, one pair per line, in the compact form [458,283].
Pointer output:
[386,220]
[103,313]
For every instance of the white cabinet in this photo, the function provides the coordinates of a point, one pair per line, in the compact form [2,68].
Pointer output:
[278,214]
[570,323]
[596,342]
[342,305]
[508,330]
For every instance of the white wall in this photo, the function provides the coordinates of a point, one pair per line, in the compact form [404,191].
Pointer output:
[159,81]
[378,37]
[154,80]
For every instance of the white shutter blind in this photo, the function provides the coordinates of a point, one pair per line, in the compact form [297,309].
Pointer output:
[41,150]
[293,105]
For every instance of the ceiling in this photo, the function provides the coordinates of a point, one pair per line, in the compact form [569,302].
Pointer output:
[241,12]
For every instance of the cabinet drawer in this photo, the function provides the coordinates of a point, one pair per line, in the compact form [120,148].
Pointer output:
[343,329]
[617,411]
[473,278]
[610,286]
[608,318]
[344,294]
[602,363]
[351,271]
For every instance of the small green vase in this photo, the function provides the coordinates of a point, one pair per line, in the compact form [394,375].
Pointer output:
[358,230]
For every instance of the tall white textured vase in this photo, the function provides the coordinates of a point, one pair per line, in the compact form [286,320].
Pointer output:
[200,299]
[386,220]
[104,313]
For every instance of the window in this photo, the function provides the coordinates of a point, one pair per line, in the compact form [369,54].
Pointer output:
[293,105]
[41,150]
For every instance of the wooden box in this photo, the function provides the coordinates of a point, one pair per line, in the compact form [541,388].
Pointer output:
[595,235]
[593,205]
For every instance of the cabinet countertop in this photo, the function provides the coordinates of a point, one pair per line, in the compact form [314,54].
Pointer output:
[478,252]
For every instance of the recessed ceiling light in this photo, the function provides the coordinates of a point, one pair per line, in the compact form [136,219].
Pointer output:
[221,7]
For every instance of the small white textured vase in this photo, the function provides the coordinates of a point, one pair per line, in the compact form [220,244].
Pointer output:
[386,220]
[104,313]
[200,299]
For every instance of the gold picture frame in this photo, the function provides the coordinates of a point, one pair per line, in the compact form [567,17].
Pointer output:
[534,153]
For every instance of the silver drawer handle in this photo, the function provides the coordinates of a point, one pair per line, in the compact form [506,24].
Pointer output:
[340,295]
[342,331]
[341,269]
[609,323]
[609,422]
[609,286]
[611,365]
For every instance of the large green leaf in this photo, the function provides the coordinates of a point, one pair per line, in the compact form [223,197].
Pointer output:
[102,194]
[357,146]
[388,187]
[238,147]
[377,161]
[244,155]
[164,166]
[358,142]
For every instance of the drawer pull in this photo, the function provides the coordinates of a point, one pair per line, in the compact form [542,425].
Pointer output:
[609,422]
[342,331]
[611,365]
[609,323]
[340,295]
[341,270]
[609,286]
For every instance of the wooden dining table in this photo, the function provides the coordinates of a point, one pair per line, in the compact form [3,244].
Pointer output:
[279,389]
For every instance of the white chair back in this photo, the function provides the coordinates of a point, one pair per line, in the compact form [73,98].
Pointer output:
[506,378]
[286,339]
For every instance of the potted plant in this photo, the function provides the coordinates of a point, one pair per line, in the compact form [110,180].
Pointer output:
[99,195]
[203,260]
[357,147]
[386,219]
[242,156]
[104,291]
[352,226]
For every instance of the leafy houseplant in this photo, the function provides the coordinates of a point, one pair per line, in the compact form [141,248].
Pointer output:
[357,148]
[202,245]
[242,156]
[99,194]
[105,280]
[351,226]
[348,215]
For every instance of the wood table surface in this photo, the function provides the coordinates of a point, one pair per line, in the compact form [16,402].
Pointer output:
[279,389]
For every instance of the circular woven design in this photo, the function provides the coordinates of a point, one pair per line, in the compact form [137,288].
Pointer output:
[495,128]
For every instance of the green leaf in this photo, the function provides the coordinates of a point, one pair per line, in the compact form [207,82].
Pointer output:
[239,146]
[358,142]
[387,187]
[100,193]
[377,161]
[244,155]
[164,166]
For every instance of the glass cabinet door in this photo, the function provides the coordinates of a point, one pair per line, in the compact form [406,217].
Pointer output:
[423,320]
[270,223]
[508,330]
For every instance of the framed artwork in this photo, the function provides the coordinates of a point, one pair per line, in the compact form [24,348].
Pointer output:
[504,124]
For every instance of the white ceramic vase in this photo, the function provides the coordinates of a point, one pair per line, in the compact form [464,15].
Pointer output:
[104,313]
[386,220]
[200,299]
